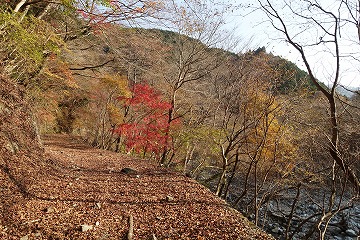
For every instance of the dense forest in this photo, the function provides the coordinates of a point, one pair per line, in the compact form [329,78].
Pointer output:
[261,133]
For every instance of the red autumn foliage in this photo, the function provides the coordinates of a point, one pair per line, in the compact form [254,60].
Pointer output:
[149,129]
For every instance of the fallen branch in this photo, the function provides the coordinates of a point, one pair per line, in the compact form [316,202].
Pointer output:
[131,228]
[32,221]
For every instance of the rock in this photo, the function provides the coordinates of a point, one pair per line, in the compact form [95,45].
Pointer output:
[4,109]
[169,198]
[313,207]
[354,224]
[86,227]
[26,237]
[275,230]
[12,147]
[304,215]
[300,235]
[351,233]
[350,238]
[337,238]
[334,231]
[129,171]
[49,210]
[97,205]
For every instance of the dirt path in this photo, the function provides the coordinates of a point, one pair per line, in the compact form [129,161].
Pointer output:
[86,195]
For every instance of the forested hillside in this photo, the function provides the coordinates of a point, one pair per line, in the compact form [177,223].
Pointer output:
[259,132]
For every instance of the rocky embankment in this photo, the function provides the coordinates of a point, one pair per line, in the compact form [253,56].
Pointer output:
[344,225]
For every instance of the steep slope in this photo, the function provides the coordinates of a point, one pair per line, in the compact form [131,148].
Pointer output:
[20,152]
[90,195]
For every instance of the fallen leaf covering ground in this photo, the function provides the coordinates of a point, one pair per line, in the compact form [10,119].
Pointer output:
[84,195]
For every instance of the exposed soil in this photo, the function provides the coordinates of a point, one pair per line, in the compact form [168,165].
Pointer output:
[86,186]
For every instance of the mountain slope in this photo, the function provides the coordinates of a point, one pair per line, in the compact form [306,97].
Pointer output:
[91,188]
[20,151]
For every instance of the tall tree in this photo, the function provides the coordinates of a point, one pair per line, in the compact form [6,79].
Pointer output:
[317,30]
[322,26]
[198,27]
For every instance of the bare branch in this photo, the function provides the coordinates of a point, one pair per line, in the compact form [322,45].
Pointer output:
[92,67]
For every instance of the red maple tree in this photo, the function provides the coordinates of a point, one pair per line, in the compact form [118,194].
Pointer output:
[148,127]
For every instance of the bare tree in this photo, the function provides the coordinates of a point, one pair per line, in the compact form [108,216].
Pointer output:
[318,29]
[328,24]
[198,28]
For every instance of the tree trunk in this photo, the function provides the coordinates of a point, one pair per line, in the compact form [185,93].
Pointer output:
[19,5]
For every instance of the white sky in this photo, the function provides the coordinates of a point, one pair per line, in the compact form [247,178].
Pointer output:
[254,24]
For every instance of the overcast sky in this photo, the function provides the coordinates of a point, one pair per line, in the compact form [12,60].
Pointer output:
[253,23]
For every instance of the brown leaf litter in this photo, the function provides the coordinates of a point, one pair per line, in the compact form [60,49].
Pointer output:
[87,194]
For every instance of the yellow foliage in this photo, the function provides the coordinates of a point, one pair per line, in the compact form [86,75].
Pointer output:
[115,115]
[268,140]
[117,83]
[271,140]
[24,41]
